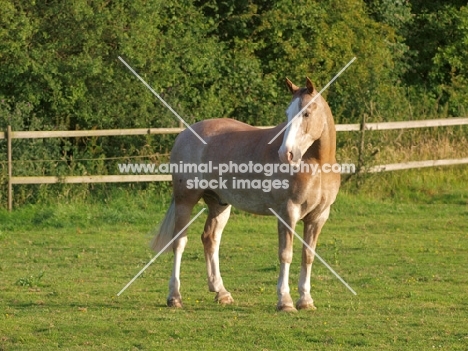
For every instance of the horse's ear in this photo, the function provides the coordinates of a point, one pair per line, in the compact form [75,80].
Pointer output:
[291,86]
[309,85]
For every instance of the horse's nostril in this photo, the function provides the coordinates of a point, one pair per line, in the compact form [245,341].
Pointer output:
[290,156]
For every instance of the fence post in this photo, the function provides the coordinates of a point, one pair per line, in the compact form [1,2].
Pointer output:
[10,168]
[362,144]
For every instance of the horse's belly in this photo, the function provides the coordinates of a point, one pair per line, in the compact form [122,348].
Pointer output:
[253,200]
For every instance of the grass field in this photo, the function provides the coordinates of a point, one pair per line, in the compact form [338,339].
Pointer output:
[61,267]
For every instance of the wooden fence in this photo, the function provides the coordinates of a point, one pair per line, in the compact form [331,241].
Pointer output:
[10,135]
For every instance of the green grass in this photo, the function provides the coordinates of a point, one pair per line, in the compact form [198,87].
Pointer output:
[61,267]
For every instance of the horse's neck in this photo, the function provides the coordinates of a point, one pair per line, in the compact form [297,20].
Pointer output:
[323,150]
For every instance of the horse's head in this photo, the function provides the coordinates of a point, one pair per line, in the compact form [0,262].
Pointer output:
[304,128]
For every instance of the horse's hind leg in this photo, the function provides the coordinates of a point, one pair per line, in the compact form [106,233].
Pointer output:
[183,210]
[217,218]
[312,229]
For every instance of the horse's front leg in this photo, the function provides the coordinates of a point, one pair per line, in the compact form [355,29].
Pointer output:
[285,253]
[312,228]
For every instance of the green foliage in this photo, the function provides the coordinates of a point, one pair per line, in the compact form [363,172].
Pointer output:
[310,40]
[30,281]
[306,38]
[228,60]
[451,62]
[437,39]
[28,153]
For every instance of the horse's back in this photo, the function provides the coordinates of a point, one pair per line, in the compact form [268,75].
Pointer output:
[218,126]
[224,136]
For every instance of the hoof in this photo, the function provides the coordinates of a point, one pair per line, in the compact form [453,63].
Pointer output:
[305,305]
[174,302]
[286,308]
[224,298]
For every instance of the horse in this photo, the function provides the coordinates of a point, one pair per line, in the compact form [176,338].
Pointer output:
[309,139]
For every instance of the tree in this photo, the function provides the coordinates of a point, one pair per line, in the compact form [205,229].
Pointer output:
[314,38]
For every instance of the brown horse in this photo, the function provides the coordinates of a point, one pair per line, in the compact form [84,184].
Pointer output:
[309,139]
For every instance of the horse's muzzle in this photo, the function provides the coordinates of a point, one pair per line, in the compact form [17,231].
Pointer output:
[291,157]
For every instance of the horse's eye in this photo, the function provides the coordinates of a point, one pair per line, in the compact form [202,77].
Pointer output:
[306,114]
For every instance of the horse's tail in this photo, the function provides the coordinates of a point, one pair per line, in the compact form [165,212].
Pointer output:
[165,231]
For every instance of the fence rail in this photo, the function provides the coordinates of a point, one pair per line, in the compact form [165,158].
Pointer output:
[91,179]
[92,133]
[403,125]
[416,164]
[10,135]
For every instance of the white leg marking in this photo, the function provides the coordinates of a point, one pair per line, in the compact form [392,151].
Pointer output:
[215,282]
[304,280]
[283,281]
[174,283]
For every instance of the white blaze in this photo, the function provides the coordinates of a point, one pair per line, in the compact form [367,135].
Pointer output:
[290,135]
